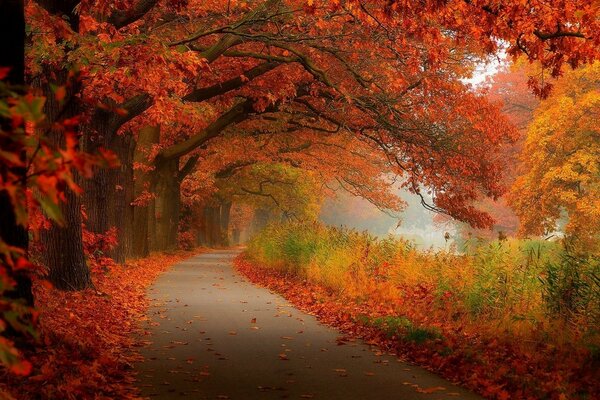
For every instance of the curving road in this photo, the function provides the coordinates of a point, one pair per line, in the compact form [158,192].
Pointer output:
[214,335]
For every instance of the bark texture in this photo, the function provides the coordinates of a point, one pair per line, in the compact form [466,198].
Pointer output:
[63,246]
[167,205]
[140,238]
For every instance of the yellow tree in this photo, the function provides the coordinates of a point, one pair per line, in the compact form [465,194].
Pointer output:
[561,160]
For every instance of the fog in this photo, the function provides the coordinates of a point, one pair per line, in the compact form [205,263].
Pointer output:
[415,223]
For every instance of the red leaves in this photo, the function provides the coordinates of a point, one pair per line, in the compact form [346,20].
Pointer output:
[497,369]
[89,334]
[60,93]
[4,71]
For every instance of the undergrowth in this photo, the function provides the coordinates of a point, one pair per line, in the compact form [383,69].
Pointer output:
[538,300]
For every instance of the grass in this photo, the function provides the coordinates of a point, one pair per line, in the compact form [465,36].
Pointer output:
[520,291]
[401,327]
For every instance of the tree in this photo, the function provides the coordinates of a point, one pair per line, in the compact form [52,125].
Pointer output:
[561,169]
[34,172]
[509,88]
[358,67]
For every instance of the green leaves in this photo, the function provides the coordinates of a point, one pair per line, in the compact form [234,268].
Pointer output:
[51,209]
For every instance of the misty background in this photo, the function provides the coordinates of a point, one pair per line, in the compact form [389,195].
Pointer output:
[415,223]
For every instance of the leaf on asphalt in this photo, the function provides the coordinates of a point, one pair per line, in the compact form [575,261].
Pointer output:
[431,389]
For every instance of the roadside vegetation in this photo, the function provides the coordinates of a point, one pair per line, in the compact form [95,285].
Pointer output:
[519,313]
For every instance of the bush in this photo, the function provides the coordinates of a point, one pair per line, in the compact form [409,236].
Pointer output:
[571,287]
[524,314]
[512,285]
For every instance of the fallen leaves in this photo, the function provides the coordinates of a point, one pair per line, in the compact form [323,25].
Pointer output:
[431,389]
[481,364]
[90,334]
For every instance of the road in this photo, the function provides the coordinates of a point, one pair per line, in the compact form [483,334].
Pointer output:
[214,335]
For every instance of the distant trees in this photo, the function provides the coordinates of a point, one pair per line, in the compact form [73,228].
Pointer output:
[561,161]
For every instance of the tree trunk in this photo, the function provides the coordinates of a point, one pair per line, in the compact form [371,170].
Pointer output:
[260,220]
[201,239]
[141,239]
[120,209]
[215,226]
[63,249]
[235,237]
[167,204]
[212,229]
[98,191]
[63,252]
[206,212]
[151,226]
[224,228]
[63,246]
[104,195]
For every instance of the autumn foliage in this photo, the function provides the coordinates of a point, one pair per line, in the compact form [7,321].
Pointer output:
[504,319]
[141,126]
[560,168]
[89,337]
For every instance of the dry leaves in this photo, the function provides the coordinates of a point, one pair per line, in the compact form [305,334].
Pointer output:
[86,348]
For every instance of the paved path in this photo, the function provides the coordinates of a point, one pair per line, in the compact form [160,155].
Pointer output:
[217,336]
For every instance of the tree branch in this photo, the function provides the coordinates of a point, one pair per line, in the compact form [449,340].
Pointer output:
[206,93]
[558,34]
[122,18]
[188,167]
[134,107]
[236,114]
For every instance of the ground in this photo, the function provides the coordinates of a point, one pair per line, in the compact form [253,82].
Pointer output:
[213,335]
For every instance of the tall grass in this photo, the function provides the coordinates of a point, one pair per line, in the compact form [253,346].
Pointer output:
[531,290]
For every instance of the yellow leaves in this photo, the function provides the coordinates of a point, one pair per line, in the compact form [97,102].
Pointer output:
[560,158]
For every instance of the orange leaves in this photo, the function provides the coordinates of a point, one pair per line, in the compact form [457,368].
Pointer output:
[498,369]
[559,161]
[89,334]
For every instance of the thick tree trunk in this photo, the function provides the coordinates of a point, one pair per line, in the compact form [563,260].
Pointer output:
[12,54]
[63,246]
[63,249]
[63,252]
[121,211]
[104,195]
[167,204]
[207,217]
[96,198]
[215,226]
[260,220]
[98,191]
[200,226]
[141,238]
[235,237]
[212,226]
[151,226]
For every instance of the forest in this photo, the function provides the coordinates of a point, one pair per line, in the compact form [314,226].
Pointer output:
[149,144]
